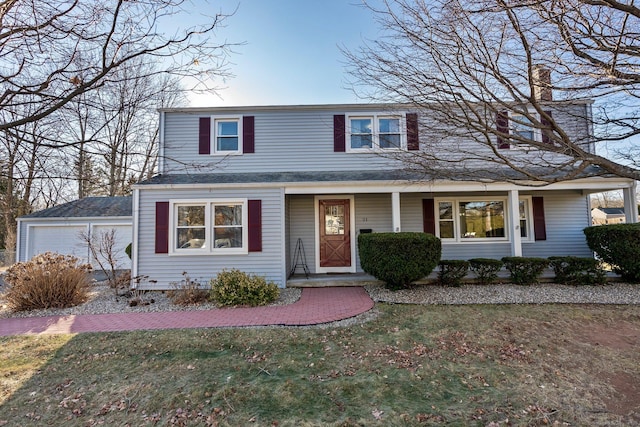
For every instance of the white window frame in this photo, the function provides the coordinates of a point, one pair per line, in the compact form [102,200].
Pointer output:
[455,201]
[214,135]
[537,132]
[375,131]
[208,248]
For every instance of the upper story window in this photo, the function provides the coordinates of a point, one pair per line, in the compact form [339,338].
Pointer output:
[522,128]
[227,135]
[375,132]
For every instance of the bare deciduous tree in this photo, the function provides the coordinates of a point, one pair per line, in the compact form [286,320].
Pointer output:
[470,65]
[52,52]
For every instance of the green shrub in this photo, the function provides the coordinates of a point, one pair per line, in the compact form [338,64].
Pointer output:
[399,258]
[48,280]
[525,271]
[234,287]
[571,270]
[619,246]
[127,250]
[452,271]
[485,269]
[188,292]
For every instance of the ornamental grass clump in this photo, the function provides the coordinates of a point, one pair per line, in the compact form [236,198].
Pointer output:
[234,287]
[525,271]
[485,269]
[398,259]
[48,280]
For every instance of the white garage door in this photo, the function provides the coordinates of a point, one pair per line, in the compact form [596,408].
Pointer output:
[61,239]
[123,236]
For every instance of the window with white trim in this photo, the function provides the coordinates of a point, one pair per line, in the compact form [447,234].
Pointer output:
[523,129]
[375,132]
[462,220]
[211,227]
[227,135]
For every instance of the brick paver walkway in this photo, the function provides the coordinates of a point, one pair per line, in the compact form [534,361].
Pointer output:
[315,306]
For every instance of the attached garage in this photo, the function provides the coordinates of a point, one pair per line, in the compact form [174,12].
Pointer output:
[58,229]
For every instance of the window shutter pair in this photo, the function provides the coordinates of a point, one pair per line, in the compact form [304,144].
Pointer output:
[539,226]
[254,226]
[340,132]
[502,126]
[248,135]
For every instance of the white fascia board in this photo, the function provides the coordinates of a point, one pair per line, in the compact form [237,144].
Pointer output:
[111,219]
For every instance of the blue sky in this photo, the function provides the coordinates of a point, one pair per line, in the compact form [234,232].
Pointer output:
[291,53]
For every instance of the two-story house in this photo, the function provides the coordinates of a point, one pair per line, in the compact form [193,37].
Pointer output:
[240,187]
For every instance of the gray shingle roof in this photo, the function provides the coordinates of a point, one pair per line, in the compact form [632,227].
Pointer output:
[88,207]
[504,174]
[613,211]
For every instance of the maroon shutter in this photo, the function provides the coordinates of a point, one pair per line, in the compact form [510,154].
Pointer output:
[255,225]
[248,135]
[502,126]
[413,139]
[428,216]
[546,129]
[339,133]
[539,227]
[204,136]
[162,227]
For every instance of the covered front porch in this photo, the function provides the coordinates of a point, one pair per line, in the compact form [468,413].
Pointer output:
[563,211]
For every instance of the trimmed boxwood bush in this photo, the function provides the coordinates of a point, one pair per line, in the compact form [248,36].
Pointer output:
[452,271]
[619,246]
[485,269]
[525,271]
[571,270]
[234,287]
[399,258]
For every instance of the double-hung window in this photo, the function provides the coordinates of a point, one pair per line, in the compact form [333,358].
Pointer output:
[375,133]
[462,220]
[227,135]
[209,227]
[523,129]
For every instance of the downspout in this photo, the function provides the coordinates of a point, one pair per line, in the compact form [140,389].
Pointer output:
[134,241]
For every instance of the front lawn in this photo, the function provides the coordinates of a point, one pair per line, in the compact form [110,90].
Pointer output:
[413,365]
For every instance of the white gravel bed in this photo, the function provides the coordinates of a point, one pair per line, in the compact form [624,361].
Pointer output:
[611,293]
[103,300]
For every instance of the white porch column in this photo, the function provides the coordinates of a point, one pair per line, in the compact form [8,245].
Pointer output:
[513,202]
[630,204]
[395,212]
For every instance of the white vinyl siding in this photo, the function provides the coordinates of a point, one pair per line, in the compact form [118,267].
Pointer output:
[290,139]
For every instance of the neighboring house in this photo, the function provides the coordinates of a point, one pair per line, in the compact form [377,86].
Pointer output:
[58,229]
[601,216]
[240,187]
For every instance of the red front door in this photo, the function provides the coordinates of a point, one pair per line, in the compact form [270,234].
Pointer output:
[335,233]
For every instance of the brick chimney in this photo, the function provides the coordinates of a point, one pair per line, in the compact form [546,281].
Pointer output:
[542,83]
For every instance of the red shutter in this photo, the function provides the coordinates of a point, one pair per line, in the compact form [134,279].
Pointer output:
[255,225]
[502,126]
[204,136]
[546,129]
[248,135]
[539,227]
[413,138]
[162,227]
[428,216]
[339,133]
